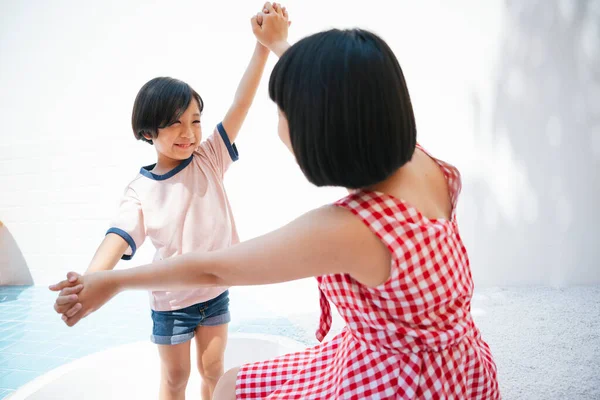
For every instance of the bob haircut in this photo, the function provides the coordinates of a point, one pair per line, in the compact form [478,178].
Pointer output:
[349,113]
[159,104]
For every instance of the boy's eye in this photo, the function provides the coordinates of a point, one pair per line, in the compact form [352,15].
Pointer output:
[196,122]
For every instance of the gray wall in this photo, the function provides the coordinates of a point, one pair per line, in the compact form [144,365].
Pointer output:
[545,107]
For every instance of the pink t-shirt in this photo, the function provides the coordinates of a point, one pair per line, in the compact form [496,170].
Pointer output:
[181,211]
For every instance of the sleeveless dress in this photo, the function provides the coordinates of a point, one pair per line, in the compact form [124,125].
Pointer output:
[411,337]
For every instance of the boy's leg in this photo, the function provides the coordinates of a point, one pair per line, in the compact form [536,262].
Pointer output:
[211,339]
[172,331]
[210,343]
[174,370]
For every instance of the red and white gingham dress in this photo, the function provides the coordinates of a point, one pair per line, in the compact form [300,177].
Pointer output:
[412,337]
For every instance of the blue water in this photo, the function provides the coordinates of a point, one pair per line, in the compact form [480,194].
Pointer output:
[34,340]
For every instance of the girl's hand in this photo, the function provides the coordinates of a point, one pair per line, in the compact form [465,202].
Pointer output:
[271,26]
[67,298]
[93,291]
[276,6]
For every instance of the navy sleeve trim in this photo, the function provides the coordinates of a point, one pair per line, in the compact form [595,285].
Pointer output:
[231,148]
[127,238]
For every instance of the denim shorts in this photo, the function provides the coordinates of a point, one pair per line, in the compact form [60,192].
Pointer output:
[178,326]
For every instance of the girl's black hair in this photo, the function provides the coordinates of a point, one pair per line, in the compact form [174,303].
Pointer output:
[349,113]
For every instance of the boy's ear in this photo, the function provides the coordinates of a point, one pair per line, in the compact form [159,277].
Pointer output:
[147,136]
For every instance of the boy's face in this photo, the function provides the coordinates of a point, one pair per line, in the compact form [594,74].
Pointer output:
[178,141]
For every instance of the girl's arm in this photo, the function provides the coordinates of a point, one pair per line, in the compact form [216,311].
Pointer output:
[279,47]
[245,92]
[325,241]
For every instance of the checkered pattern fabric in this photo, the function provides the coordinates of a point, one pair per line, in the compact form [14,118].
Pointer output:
[412,337]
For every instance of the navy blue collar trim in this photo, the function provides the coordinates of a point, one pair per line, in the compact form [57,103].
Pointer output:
[146,170]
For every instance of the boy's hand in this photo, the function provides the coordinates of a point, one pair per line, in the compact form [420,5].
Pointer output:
[271,26]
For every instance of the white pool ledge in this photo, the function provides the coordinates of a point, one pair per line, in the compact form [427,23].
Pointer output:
[132,371]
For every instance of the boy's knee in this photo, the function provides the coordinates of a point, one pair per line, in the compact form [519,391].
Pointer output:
[211,371]
[176,377]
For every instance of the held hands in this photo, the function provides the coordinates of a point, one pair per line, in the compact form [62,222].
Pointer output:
[81,295]
[67,300]
[271,26]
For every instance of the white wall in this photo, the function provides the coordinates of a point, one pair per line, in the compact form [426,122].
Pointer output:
[508,93]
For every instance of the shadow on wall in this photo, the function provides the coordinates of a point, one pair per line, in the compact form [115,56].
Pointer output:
[539,143]
[13,267]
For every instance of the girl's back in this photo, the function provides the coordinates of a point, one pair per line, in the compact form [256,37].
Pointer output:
[417,324]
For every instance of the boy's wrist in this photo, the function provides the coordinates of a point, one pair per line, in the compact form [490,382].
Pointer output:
[260,46]
[261,49]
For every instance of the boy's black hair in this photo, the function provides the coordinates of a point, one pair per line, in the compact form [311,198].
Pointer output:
[349,113]
[158,104]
